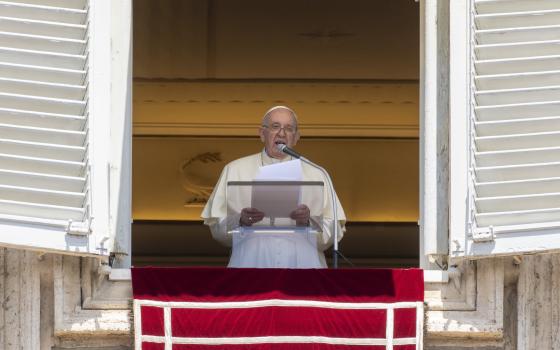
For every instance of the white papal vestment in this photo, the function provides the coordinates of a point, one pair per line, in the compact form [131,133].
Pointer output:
[279,250]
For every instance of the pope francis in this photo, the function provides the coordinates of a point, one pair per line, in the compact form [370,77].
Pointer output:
[279,126]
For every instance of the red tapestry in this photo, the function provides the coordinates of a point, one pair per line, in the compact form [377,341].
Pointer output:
[277,309]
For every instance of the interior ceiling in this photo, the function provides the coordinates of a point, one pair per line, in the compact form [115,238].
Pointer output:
[288,39]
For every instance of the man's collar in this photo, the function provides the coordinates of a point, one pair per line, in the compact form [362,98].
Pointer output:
[267,160]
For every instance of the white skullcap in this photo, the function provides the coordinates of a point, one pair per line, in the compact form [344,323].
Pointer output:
[280,107]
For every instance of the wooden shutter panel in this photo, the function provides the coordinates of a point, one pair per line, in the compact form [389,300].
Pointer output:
[514,127]
[44,111]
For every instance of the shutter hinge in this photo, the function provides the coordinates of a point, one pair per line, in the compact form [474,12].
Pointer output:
[82,228]
[484,235]
[457,246]
[102,250]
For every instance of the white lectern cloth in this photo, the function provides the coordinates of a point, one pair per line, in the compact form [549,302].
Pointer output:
[245,169]
[275,250]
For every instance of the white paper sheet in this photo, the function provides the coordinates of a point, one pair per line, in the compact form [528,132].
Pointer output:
[284,171]
[278,201]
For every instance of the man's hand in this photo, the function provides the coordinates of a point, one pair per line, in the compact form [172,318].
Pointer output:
[301,215]
[249,216]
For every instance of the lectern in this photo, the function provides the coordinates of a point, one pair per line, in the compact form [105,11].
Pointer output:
[276,241]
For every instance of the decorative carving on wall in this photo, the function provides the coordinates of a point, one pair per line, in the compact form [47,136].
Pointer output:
[197,178]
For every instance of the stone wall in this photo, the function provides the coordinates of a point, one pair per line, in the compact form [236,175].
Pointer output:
[43,297]
[538,302]
[20,287]
[531,308]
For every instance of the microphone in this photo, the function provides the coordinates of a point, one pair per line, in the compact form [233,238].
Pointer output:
[283,148]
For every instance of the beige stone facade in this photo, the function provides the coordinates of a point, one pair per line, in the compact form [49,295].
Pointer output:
[484,292]
[65,302]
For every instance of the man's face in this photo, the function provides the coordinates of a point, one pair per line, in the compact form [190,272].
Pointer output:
[280,128]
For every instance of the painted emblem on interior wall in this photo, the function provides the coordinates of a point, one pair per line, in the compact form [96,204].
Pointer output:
[199,175]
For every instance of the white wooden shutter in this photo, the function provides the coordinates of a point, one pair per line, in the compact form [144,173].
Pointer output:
[45,155]
[511,126]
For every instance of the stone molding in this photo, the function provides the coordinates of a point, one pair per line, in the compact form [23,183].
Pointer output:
[106,310]
[485,321]
[456,295]
[246,129]
[234,108]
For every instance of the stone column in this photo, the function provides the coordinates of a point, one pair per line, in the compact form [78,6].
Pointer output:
[20,295]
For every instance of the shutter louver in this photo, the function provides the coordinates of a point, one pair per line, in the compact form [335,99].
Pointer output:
[43,110]
[515,126]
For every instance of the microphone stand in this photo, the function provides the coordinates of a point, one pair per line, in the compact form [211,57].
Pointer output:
[334,208]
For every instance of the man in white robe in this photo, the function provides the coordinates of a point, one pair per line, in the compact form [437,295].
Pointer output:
[279,126]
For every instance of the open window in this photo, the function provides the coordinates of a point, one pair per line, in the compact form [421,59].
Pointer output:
[205,72]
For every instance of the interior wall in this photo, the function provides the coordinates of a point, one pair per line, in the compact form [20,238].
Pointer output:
[375,179]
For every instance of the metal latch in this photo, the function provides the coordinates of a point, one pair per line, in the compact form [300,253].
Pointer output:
[484,235]
[78,228]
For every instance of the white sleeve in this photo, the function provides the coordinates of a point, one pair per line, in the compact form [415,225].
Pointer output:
[326,238]
[219,228]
